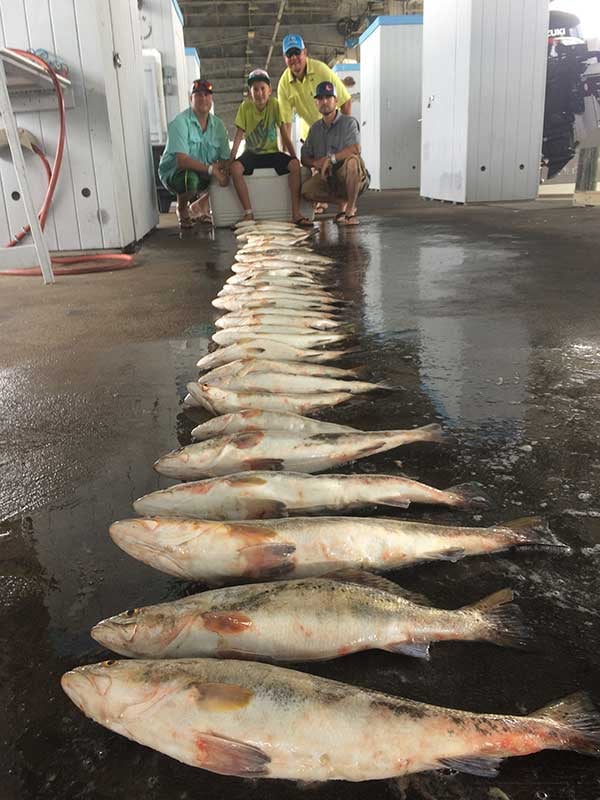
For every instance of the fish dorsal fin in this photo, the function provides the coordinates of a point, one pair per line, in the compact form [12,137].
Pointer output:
[365,578]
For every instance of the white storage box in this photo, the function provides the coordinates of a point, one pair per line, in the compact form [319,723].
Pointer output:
[390,107]
[269,196]
[484,79]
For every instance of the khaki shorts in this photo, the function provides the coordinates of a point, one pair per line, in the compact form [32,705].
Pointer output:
[316,187]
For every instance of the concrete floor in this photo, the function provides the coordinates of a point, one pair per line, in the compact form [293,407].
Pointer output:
[488,316]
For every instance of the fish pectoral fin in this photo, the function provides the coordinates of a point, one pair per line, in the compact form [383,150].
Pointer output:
[276,464]
[451,554]
[414,649]
[365,578]
[269,560]
[398,501]
[230,756]
[483,767]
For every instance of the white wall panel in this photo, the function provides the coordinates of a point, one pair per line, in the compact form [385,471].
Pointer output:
[107,151]
[391,92]
[484,63]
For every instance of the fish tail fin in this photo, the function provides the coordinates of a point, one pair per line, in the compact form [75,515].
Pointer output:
[432,433]
[534,531]
[502,620]
[470,495]
[579,722]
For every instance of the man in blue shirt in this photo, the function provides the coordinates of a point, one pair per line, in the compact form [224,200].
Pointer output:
[196,151]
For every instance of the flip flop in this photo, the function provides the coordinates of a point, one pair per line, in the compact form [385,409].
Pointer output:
[350,219]
[185,221]
[302,222]
[204,219]
[339,217]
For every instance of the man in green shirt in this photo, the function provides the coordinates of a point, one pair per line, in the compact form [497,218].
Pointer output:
[196,151]
[258,121]
[297,85]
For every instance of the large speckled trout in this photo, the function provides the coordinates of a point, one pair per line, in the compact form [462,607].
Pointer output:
[255,419]
[306,620]
[219,400]
[245,366]
[261,494]
[224,552]
[266,349]
[284,450]
[276,333]
[257,720]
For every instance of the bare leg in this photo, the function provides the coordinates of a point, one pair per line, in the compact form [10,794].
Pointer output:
[183,209]
[237,176]
[352,188]
[294,183]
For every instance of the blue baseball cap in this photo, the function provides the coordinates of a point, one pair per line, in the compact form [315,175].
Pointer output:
[293,40]
[325,89]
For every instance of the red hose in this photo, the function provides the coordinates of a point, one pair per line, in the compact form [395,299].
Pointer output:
[117,261]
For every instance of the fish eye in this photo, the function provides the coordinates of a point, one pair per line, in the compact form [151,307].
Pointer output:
[131,612]
[109,663]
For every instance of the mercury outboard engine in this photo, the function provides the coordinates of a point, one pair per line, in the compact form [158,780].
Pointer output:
[566,89]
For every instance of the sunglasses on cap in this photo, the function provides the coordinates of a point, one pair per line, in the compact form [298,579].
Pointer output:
[202,86]
[293,51]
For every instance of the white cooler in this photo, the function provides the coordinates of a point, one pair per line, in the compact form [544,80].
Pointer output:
[269,196]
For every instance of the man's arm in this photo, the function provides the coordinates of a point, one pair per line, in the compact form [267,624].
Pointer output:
[239,135]
[286,139]
[347,108]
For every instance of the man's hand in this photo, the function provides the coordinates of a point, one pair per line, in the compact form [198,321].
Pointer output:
[220,172]
[326,167]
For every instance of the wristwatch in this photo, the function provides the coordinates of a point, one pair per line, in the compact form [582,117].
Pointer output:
[332,158]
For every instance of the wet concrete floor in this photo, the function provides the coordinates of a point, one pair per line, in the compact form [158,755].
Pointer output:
[489,319]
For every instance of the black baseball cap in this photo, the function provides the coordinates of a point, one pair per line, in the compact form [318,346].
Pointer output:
[259,75]
[325,89]
[202,86]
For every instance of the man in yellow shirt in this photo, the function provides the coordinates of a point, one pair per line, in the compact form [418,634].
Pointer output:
[297,85]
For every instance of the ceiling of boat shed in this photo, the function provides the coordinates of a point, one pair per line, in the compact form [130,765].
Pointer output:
[235,36]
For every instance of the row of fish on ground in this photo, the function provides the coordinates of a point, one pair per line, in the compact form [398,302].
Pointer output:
[311,587]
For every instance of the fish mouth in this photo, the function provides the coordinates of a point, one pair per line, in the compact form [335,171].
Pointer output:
[81,685]
[114,634]
[132,537]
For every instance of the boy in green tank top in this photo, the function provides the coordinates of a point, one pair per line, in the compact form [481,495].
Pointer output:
[258,120]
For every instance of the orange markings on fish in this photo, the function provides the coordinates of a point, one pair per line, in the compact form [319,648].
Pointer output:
[252,532]
[221,696]
[249,480]
[226,621]
[246,440]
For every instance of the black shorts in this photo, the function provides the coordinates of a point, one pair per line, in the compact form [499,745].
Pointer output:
[277,161]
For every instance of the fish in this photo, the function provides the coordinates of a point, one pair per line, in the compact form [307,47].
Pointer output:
[246,366]
[267,349]
[274,264]
[284,450]
[247,302]
[223,401]
[264,291]
[290,278]
[257,334]
[218,552]
[299,384]
[254,419]
[302,320]
[256,720]
[264,494]
[310,619]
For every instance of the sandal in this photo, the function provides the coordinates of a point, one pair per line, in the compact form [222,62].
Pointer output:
[350,219]
[185,221]
[302,222]
[339,217]
[204,219]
